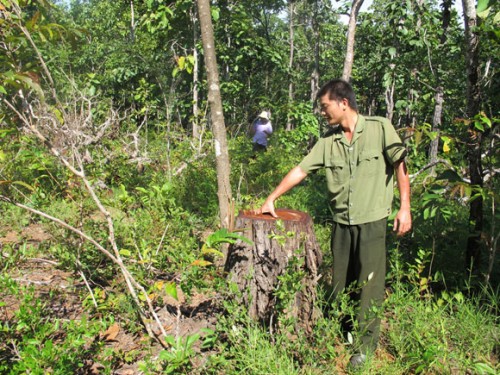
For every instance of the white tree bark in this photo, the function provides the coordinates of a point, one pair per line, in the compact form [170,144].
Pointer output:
[349,56]
[195,124]
[436,126]
[216,114]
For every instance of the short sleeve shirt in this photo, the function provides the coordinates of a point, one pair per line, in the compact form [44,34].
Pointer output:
[359,174]
[263,129]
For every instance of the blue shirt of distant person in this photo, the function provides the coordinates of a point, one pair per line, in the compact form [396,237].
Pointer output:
[261,130]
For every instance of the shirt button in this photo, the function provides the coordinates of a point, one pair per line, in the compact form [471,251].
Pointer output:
[350,148]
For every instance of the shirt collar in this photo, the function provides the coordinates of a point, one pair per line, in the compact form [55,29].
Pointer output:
[360,127]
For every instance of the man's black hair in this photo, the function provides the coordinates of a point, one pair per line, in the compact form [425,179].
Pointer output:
[338,89]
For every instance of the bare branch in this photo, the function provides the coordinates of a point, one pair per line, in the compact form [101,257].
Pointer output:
[65,143]
[434,163]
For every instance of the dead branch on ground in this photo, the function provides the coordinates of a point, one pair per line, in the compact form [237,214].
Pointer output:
[68,146]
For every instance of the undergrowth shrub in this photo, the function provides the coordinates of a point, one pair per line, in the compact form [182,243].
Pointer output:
[196,188]
[35,343]
[445,334]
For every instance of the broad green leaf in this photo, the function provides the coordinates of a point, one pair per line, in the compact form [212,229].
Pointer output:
[486,120]
[446,145]
[479,126]
[125,252]
[484,14]
[459,297]
[181,62]
[210,250]
[164,354]
[171,290]
[496,20]
[482,5]
[191,339]
[58,115]
[224,236]
[20,183]
[215,14]
[446,139]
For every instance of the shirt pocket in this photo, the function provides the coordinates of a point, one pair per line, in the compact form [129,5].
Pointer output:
[337,168]
[370,163]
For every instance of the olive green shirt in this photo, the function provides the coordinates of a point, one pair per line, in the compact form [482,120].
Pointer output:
[360,174]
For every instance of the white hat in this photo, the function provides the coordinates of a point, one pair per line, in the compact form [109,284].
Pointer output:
[264,114]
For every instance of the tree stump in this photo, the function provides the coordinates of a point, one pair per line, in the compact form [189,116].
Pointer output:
[278,273]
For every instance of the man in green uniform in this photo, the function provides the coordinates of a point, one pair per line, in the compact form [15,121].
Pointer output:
[360,156]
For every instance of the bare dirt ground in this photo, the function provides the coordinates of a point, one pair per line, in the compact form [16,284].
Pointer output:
[64,290]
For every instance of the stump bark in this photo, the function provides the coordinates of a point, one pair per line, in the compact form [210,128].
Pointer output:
[282,250]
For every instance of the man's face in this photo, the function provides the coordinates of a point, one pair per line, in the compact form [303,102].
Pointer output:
[331,110]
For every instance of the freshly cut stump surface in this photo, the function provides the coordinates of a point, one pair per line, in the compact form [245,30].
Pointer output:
[256,268]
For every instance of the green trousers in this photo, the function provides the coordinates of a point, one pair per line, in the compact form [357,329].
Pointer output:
[359,267]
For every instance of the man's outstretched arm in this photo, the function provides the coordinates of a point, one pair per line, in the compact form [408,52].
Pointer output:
[294,177]
[402,221]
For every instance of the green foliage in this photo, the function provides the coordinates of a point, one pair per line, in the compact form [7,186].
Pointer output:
[306,131]
[214,240]
[157,199]
[247,346]
[38,344]
[223,236]
[177,358]
[289,284]
[427,343]
[163,200]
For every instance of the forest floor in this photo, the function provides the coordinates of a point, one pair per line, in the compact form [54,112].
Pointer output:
[65,290]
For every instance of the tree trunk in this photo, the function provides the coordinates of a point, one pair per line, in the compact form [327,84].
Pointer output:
[389,99]
[132,22]
[349,56]
[439,98]
[436,126]
[196,124]
[282,251]
[474,143]
[446,19]
[315,72]
[216,114]
[291,10]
